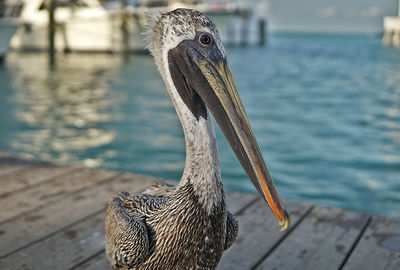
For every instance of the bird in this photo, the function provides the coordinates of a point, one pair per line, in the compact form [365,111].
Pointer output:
[187,226]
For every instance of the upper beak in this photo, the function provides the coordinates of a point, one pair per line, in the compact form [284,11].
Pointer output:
[224,102]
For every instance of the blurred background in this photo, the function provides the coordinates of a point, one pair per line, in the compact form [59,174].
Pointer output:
[320,81]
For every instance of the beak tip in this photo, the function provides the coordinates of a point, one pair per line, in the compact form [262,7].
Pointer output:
[285,223]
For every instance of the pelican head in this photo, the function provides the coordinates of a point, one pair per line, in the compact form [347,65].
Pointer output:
[191,58]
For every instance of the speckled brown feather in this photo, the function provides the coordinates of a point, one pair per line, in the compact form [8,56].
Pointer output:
[146,232]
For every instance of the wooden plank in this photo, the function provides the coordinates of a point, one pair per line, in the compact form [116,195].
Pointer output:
[62,250]
[258,233]
[235,203]
[13,168]
[98,262]
[49,218]
[5,154]
[11,163]
[379,247]
[35,175]
[27,200]
[321,241]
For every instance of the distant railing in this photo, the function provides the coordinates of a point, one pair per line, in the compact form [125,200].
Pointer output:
[11,10]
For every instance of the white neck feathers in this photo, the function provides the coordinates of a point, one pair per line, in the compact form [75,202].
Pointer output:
[202,168]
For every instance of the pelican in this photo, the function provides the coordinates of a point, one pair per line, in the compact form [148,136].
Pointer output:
[188,226]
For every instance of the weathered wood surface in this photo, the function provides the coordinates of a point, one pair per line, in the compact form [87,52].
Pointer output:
[22,179]
[325,231]
[36,224]
[259,232]
[27,200]
[63,250]
[58,223]
[379,247]
[11,163]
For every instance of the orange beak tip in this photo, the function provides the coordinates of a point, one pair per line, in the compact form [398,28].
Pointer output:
[285,223]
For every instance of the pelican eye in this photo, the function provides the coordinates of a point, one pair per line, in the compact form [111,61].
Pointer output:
[205,39]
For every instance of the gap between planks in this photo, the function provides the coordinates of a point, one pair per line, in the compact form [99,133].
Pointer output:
[321,241]
[10,187]
[291,229]
[43,221]
[258,232]
[25,202]
[356,242]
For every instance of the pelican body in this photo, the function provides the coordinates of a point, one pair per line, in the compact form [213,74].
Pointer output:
[187,226]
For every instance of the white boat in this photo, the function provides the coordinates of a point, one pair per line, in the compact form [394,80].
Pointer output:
[91,26]
[81,25]
[9,13]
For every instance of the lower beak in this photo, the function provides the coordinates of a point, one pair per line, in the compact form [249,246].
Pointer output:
[225,105]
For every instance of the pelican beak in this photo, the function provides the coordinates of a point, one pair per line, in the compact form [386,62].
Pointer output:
[212,80]
[236,128]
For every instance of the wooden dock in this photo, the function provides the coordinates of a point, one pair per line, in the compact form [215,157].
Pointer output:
[52,217]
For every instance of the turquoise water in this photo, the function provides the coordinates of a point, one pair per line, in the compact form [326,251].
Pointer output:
[325,110]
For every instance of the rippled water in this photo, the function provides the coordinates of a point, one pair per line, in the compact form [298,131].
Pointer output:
[325,110]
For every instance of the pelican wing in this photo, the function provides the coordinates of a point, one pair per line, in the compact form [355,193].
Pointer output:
[232,229]
[128,239]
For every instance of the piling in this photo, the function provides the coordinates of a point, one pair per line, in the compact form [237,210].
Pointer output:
[396,39]
[124,26]
[63,31]
[244,33]
[51,30]
[262,31]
